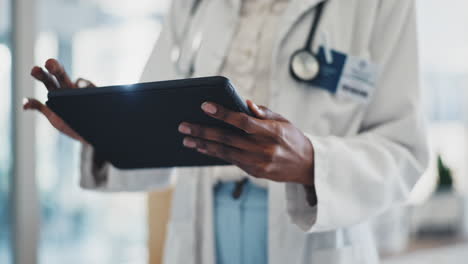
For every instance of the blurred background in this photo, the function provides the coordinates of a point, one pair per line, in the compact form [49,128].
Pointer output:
[108,42]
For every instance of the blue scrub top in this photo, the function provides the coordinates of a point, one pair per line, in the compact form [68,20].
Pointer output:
[241,226]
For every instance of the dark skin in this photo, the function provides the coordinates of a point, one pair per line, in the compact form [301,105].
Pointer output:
[270,148]
[54,77]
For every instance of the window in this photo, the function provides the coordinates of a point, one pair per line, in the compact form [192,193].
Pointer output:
[5,133]
[107,42]
[443,53]
[444,77]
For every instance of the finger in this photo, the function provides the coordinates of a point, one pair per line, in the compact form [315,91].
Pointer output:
[54,119]
[46,78]
[214,149]
[222,136]
[248,124]
[56,69]
[83,83]
[263,112]
[33,104]
[256,110]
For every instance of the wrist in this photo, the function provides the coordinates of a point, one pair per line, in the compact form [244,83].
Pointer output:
[308,177]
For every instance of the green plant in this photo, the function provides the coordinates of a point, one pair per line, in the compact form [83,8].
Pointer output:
[445,175]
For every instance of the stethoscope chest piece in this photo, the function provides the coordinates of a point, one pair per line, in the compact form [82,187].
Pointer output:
[304,65]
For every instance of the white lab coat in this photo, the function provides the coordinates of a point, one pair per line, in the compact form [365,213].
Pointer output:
[368,156]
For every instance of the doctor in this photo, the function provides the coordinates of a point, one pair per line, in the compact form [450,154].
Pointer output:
[343,142]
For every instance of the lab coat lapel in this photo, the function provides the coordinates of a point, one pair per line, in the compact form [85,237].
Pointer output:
[291,15]
[276,201]
[218,32]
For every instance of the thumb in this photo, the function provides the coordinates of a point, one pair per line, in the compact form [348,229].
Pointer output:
[263,112]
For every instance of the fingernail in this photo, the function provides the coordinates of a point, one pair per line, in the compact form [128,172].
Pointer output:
[209,108]
[184,129]
[256,107]
[25,104]
[202,151]
[189,143]
[261,111]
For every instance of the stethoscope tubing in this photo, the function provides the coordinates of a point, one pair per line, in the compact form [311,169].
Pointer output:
[305,52]
[305,58]
[315,24]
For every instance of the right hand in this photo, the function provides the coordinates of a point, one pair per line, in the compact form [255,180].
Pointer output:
[55,77]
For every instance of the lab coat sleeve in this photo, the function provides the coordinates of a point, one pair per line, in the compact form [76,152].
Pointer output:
[110,179]
[358,177]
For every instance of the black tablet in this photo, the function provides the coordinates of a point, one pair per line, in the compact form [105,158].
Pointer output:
[136,126]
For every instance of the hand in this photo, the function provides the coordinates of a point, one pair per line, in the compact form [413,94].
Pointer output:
[55,78]
[270,147]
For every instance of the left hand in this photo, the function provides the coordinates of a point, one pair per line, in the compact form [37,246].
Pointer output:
[271,147]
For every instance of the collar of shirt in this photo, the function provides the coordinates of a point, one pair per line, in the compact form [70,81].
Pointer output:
[255,6]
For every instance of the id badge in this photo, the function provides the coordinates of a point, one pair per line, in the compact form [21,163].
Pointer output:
[346,76]
[330,71]
[358,80]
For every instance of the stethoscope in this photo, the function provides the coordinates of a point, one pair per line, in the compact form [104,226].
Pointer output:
[304,64]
